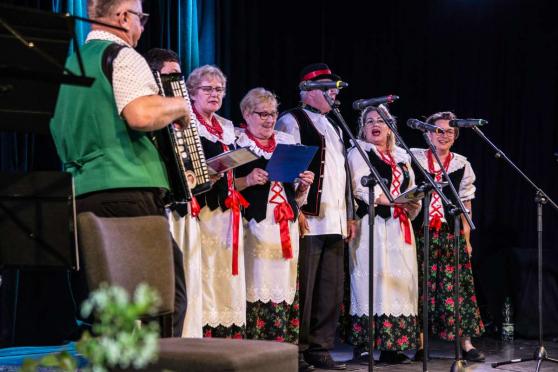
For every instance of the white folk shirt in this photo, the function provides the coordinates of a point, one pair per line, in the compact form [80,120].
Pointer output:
[333,206]
[131,76]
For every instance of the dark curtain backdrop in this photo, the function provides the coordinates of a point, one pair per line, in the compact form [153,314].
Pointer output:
[491,59]
[494,59]
[43,313]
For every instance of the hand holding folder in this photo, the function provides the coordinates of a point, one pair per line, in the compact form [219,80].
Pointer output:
[288,161]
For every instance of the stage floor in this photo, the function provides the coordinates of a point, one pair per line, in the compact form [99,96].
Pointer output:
[442,354]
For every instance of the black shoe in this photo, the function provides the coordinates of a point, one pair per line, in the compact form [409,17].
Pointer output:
[419,356]
[304,366]
[473,355]
[324,361]
[360,354]
[394,357]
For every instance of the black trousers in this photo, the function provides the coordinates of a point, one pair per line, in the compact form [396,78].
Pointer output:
[321,291]
[136,203]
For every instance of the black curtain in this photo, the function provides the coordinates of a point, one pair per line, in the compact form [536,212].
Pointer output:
[493,59]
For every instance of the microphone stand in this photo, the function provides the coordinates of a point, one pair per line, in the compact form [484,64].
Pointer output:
[541,198]
[459,363]
[427,188]
[367,181]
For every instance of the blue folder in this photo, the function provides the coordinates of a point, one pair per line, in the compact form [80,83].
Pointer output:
[288,161]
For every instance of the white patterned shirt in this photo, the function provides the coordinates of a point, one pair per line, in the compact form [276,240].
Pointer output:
[131,76]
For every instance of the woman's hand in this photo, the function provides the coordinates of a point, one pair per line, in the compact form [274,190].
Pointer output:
[303,226]
[306,179]
[257,177]
[468,248]
[351,230]
[411,207]
[215,177]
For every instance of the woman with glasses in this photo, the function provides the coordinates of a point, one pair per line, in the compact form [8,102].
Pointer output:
[395,275]
[220,220]
[271,225]
[442,260]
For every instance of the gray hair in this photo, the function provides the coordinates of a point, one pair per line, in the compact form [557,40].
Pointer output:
[256,96]
[195,78]
[102,8]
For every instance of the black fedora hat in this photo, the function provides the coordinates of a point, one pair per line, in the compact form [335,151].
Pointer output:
[317,71]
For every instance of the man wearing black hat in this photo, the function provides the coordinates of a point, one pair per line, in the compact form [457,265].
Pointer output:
[329,216]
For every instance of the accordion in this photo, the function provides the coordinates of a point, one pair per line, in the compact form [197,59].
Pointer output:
[181,148]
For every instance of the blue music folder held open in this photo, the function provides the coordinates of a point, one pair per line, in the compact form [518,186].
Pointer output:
[288,161]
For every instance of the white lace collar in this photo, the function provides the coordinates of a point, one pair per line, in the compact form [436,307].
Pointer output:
[244,141]
[228,131]
[457,162]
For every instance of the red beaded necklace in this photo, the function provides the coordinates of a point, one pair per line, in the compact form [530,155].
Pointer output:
[431,163]
[213,128]
[271,144]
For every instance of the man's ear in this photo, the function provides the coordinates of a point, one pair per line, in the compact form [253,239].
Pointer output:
[124,20]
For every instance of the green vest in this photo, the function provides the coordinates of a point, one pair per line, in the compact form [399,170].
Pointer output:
[93,141]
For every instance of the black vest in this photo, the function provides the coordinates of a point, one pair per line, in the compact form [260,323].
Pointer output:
[310,136]
[384,170]
[258,195]
[455,177]
[219,191]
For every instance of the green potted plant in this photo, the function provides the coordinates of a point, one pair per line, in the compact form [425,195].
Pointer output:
[119,340]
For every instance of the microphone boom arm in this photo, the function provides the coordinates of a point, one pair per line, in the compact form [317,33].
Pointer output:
[461,207]
[384,114]
[500,154]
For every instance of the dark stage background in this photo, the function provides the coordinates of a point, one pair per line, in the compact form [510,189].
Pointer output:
[491,59]
[495,60]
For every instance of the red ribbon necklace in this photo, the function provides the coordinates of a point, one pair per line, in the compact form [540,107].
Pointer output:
[283,211]
[436,208]
[398,212]
[234,199]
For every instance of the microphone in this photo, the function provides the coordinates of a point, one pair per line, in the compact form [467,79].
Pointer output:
[467,123]
[323,85]
[361,104]
[424,127]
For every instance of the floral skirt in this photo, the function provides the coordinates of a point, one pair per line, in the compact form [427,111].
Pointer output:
[221,331]
[273,321]
[440,285]
[391,333]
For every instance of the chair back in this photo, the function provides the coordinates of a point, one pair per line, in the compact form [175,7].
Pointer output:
[126,251]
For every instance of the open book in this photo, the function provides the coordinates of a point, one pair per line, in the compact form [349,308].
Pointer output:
[229,160]
[413,194]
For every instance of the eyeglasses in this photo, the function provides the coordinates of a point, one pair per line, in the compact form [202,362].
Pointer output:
[143,17]
[264,114]
[447,132]
[209,89]
[379,121]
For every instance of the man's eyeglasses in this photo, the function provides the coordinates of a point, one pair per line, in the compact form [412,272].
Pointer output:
[209,89]
[264,115]
[143,17]
[372,121]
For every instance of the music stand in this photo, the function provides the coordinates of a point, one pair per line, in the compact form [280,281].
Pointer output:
[37,214]
[33,69]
